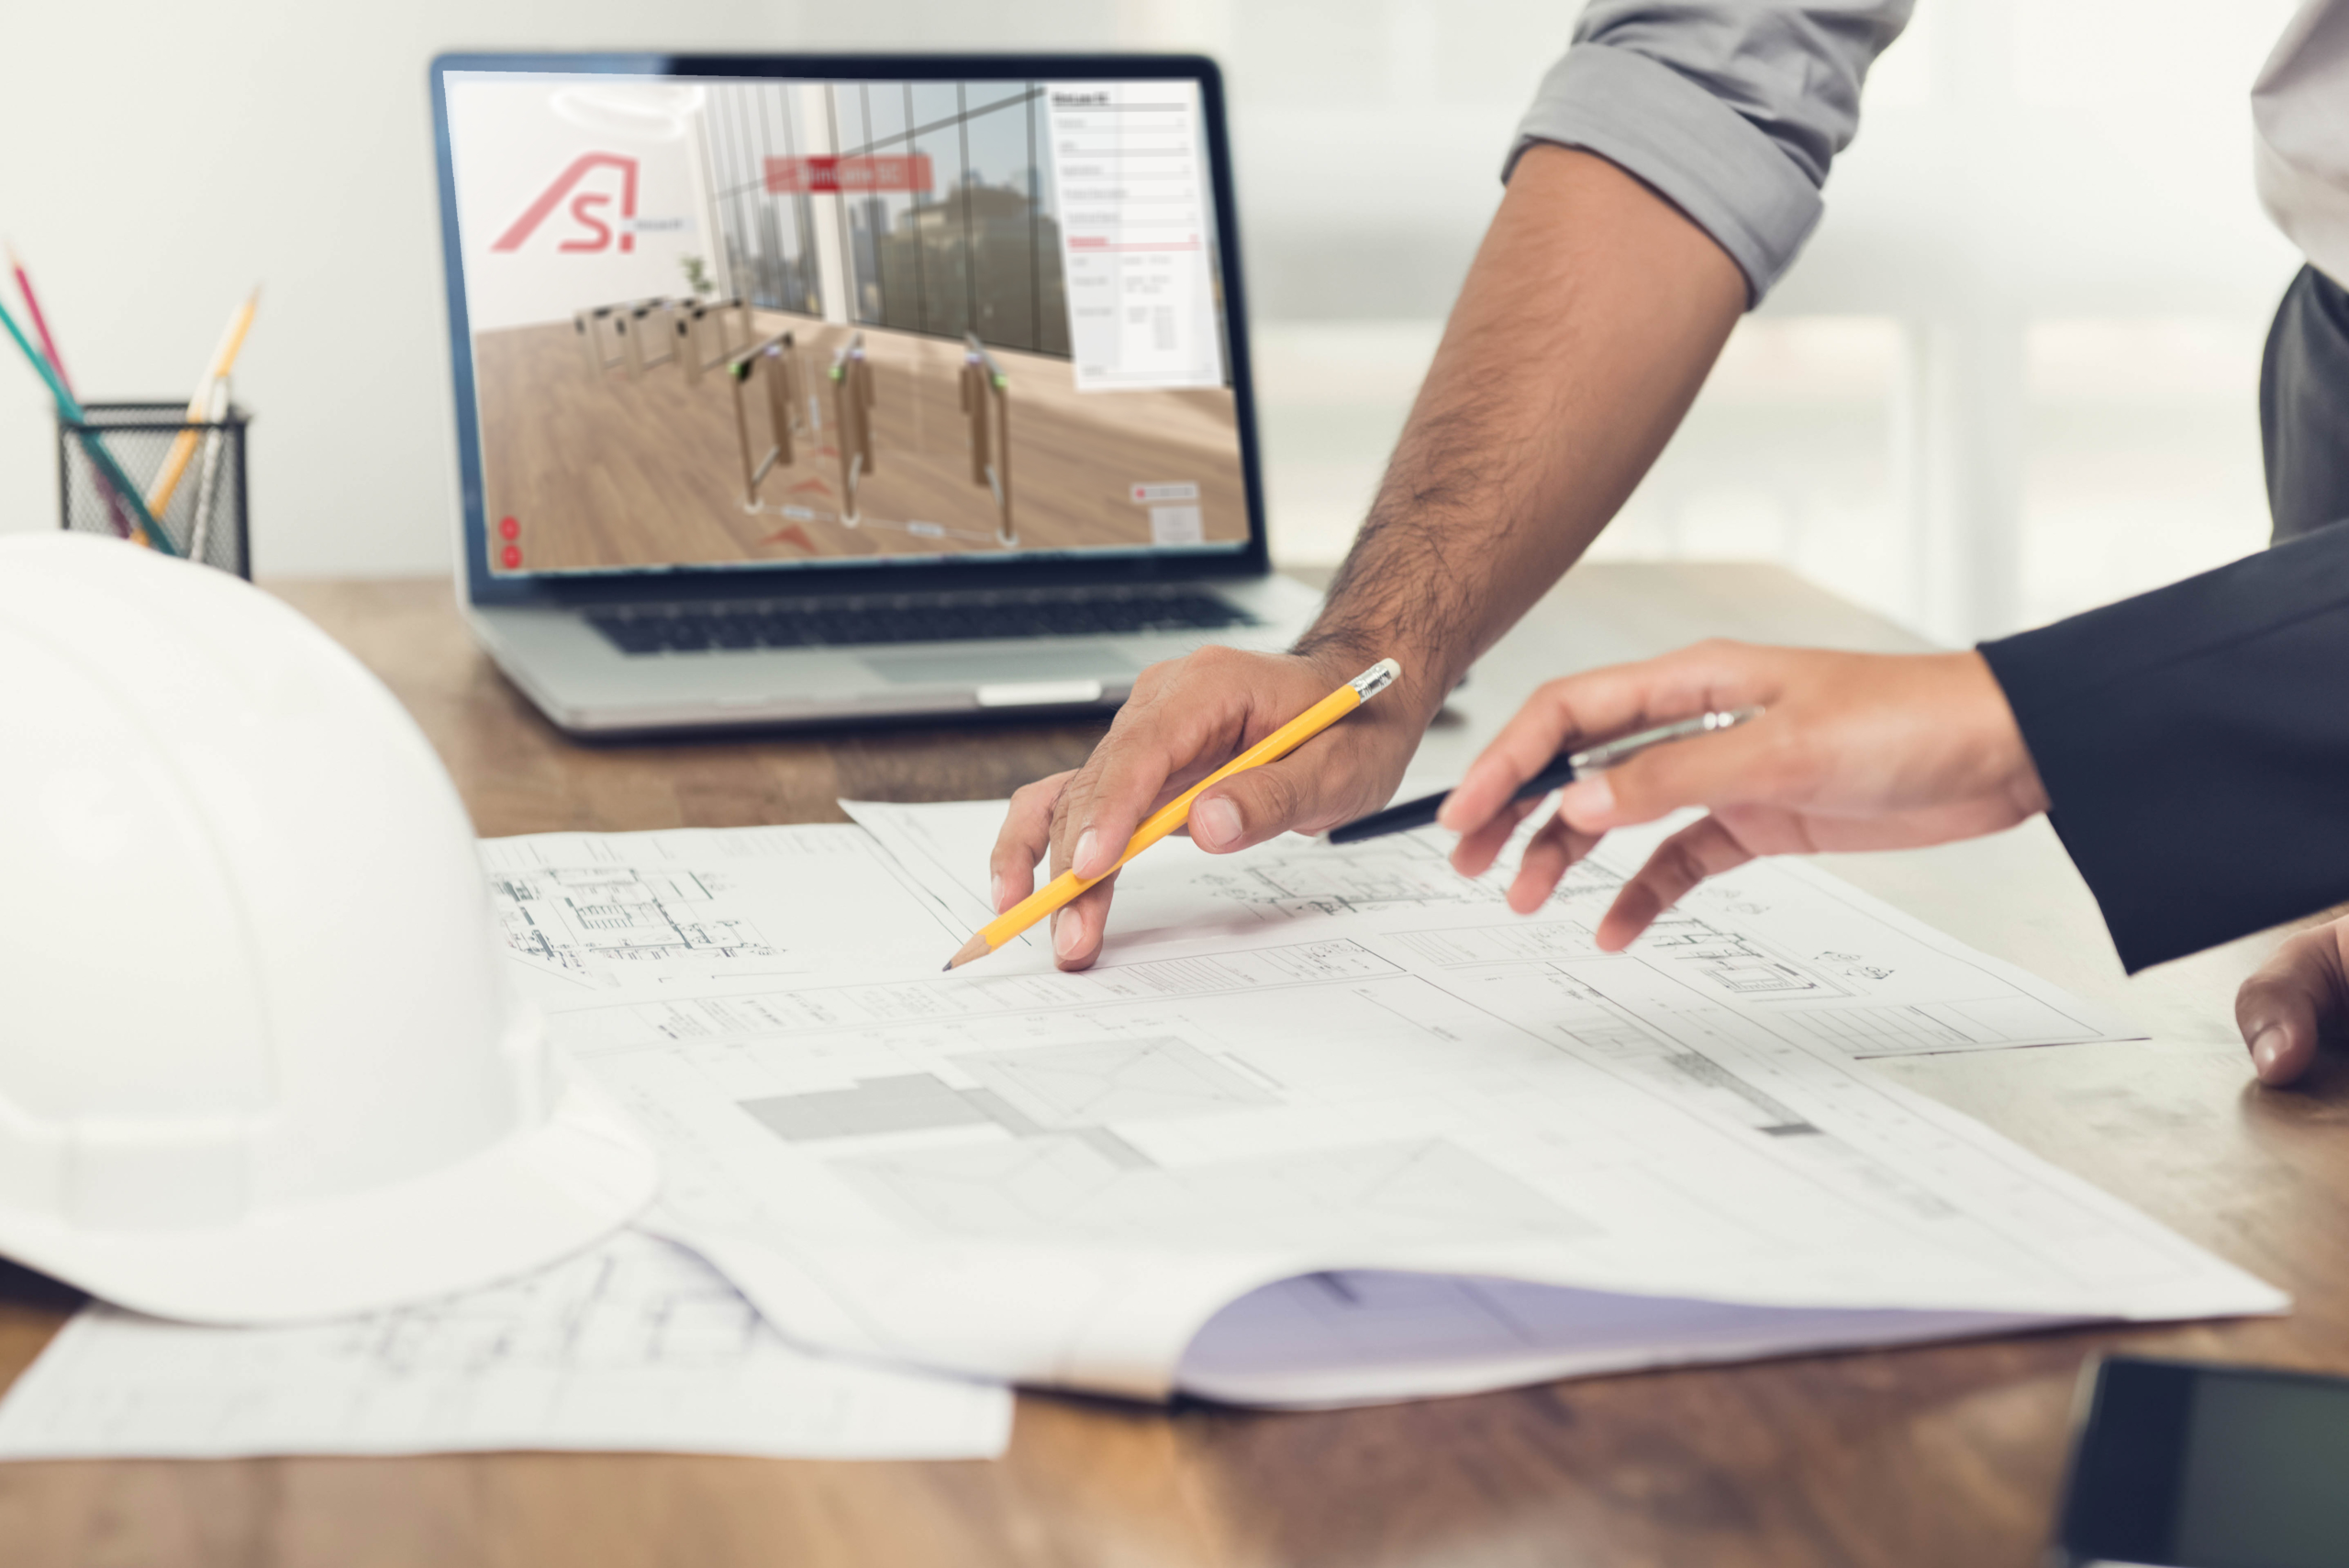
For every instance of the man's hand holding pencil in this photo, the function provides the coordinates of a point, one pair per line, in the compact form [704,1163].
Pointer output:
[1188,718]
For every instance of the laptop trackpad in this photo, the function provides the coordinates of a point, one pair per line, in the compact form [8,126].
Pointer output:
[1076,661]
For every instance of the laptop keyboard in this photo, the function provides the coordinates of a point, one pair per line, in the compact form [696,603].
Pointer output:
[901,618]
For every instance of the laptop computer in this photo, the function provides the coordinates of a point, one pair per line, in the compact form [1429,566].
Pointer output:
[807,389]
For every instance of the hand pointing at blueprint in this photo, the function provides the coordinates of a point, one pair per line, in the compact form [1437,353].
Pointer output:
[1300,1063]
[1853,751]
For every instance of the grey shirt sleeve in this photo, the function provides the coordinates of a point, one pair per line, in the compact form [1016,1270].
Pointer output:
[1732,109]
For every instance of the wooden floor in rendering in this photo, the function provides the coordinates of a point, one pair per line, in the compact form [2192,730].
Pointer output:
[603,470]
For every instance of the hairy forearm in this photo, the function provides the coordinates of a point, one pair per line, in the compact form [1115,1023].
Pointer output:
[1591,316]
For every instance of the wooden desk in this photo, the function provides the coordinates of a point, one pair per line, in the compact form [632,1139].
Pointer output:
[1940,1455]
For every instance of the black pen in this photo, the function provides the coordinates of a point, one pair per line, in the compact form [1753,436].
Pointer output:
[1563,770]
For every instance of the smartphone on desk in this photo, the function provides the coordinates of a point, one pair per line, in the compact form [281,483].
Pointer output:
[2181,1464]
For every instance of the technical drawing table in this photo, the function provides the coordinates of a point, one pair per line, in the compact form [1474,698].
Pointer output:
[1945,1455]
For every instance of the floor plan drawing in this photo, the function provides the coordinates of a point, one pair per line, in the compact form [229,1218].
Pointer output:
[586,920]
[1298,1061]
[645,912]
[1398,1194]
[1388,874]
[1728,959]
[1026,1093]
[1094,1086]
[1923,1028]
[624,1306]
[1732,960]
[634,1343]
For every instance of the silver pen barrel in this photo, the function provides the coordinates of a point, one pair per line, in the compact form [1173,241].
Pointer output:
[1606,754]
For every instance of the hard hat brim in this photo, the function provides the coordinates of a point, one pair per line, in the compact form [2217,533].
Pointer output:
[517,1205]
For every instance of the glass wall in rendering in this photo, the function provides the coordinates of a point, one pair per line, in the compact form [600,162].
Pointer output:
[939,201]
[770,239]
[978,247]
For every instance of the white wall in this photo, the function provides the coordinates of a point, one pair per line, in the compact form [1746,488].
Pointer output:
[2012,376]
[2064,181]
[162,157]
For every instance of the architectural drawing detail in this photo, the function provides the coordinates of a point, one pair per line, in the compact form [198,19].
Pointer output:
[587,919]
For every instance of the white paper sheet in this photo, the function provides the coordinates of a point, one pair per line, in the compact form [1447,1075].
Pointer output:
[605,911]
[635,1345]
[1304,1060]
[1776,939]
[1357,1337]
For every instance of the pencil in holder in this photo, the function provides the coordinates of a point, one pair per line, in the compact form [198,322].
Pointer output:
[192,473]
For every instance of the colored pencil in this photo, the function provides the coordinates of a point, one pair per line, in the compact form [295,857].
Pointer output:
[232,338]
[1057,893]
[115,513]
[40,322]
[91,442]
[208,473]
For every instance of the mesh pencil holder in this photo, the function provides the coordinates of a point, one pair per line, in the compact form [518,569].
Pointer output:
[205,515]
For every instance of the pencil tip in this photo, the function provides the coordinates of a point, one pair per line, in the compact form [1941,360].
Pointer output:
[976,948]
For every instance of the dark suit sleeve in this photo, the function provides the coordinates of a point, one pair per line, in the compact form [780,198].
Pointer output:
[2194,742]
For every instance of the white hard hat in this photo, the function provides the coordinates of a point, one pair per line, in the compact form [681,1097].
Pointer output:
[259,1060]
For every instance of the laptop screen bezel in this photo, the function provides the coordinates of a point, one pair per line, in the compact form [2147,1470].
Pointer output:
[736,580]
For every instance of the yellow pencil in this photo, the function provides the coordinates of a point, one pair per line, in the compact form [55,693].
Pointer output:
[199,407]
[1176,812]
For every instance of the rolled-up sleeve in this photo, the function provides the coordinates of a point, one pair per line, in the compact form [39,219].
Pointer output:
[1732,109]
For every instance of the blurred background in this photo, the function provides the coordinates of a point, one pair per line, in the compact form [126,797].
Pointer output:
[2013,376]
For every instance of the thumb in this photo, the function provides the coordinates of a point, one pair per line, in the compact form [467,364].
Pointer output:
[1263,803]
[2282,1008]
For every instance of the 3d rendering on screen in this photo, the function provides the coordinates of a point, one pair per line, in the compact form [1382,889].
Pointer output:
[717,322]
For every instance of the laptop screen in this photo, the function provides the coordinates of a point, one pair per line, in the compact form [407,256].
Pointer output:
[729,321]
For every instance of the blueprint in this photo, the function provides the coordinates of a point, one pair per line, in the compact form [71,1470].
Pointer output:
[1302,1071]
[607,911]
[635,1345]
[1778,941]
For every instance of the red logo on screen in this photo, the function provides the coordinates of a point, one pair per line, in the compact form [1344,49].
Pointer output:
[594,233]
[830,176]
